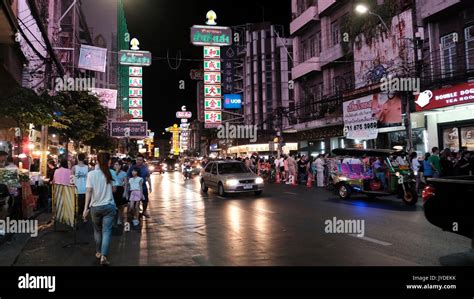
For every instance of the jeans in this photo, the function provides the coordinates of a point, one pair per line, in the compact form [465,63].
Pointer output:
[103,219]
[381,177]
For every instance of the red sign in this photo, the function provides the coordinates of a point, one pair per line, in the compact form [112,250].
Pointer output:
[446,97]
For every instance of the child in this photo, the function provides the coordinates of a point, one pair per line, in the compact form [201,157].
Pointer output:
[136,194]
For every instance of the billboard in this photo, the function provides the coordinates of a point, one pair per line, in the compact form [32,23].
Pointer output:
[136,130]
[108,97]
[232,101]
[92,58]
[211,36]
[384,55]
[212,104]
[445,97]
[135,58]
[363,116]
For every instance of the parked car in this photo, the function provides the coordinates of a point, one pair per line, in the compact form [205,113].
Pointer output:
[230,177]
[359,178]
[448,204]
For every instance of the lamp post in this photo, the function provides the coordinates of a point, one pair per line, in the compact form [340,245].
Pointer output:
[363,9]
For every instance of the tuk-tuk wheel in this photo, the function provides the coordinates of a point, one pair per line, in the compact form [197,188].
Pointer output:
[410,197]
[344,191]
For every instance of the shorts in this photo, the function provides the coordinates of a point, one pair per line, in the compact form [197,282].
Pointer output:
[282,169]
[135,196]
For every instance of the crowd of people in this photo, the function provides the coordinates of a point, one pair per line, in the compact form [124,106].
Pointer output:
[111,191]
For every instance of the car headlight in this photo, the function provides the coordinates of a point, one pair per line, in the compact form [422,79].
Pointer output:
[232,183]
[259,181]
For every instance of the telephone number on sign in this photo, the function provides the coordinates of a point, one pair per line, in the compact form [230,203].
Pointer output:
[362,127]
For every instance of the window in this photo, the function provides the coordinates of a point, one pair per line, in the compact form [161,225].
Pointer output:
[318,43]
[214,168]
[335,33]
[469,37]
[312,46]
[448,53]
[208,167]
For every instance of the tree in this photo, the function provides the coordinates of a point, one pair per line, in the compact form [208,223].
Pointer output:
[103,142]
[82,117]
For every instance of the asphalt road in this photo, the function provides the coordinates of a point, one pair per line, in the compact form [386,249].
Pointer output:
[283,227]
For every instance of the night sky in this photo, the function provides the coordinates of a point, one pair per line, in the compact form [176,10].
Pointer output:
[164,26]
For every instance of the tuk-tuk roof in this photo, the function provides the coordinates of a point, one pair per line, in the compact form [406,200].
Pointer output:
[355,152]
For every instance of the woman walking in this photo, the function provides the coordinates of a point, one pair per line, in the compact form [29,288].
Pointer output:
[319,165]
[100,204]
[120,195]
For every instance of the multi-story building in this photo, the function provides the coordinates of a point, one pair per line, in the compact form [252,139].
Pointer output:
[266,75]
[447,72]
[322,72]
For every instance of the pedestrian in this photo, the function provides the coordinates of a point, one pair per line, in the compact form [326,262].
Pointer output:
[319,166]
[291,169]
[3,159]
[415,167]
[446,162]
[462,167]
[79,173]
[427,167]
[100,204]
[62,175]
[435,162]
[120,194]
[302,169]
[135,186]
[285,169]
[144,173]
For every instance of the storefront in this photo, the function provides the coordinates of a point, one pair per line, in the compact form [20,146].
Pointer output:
[449,116]
[321,140]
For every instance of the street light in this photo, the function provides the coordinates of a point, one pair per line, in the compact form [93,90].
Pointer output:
[363,9]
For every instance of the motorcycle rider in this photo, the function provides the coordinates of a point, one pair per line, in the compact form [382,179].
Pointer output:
[187,169]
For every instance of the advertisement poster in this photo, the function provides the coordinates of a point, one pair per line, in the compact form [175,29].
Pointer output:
[108,97]
[93,58]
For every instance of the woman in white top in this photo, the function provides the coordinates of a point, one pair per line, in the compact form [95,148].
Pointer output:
[100,203]
[79,173]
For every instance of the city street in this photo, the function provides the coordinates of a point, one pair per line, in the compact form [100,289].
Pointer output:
[283,227]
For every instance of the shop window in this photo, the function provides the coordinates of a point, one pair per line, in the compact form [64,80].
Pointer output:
[467,138]
[448,54]
[469,37]
[451,139]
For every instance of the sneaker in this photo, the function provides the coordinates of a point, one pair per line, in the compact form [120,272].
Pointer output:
[135,222]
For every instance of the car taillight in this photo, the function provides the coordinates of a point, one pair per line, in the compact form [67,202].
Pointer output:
[427,193]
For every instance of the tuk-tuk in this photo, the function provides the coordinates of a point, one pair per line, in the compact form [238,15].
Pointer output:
[355,174]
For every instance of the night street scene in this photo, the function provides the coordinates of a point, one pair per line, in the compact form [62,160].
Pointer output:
[159,133]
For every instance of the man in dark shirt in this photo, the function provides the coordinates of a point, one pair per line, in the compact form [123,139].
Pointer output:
[463,166]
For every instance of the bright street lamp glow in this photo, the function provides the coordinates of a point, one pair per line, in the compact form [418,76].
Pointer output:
[362,9]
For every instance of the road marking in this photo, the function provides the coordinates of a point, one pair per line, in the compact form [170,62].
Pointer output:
[201,260]
[372,240]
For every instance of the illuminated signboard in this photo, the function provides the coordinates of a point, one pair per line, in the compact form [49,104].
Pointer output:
[212,65]
[212,91]
[136,112]
[135,71]
[135,92]
[136,130]
[135,103]
[184,114]
[135,81]
[212,52]
[212,104]
[232,101]
[213,117]
[212,78]
[211,36]
[136,58]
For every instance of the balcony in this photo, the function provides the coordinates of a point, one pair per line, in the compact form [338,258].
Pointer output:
[308,16]
[304,68]
[331,54]
[325,4]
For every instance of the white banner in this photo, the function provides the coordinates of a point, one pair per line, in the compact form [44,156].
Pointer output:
[108,97]
[93,58]
[359,121]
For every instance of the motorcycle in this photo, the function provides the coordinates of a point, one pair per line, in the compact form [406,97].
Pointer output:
[187,172]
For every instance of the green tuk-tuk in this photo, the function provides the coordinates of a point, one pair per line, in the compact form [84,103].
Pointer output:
[355,173]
